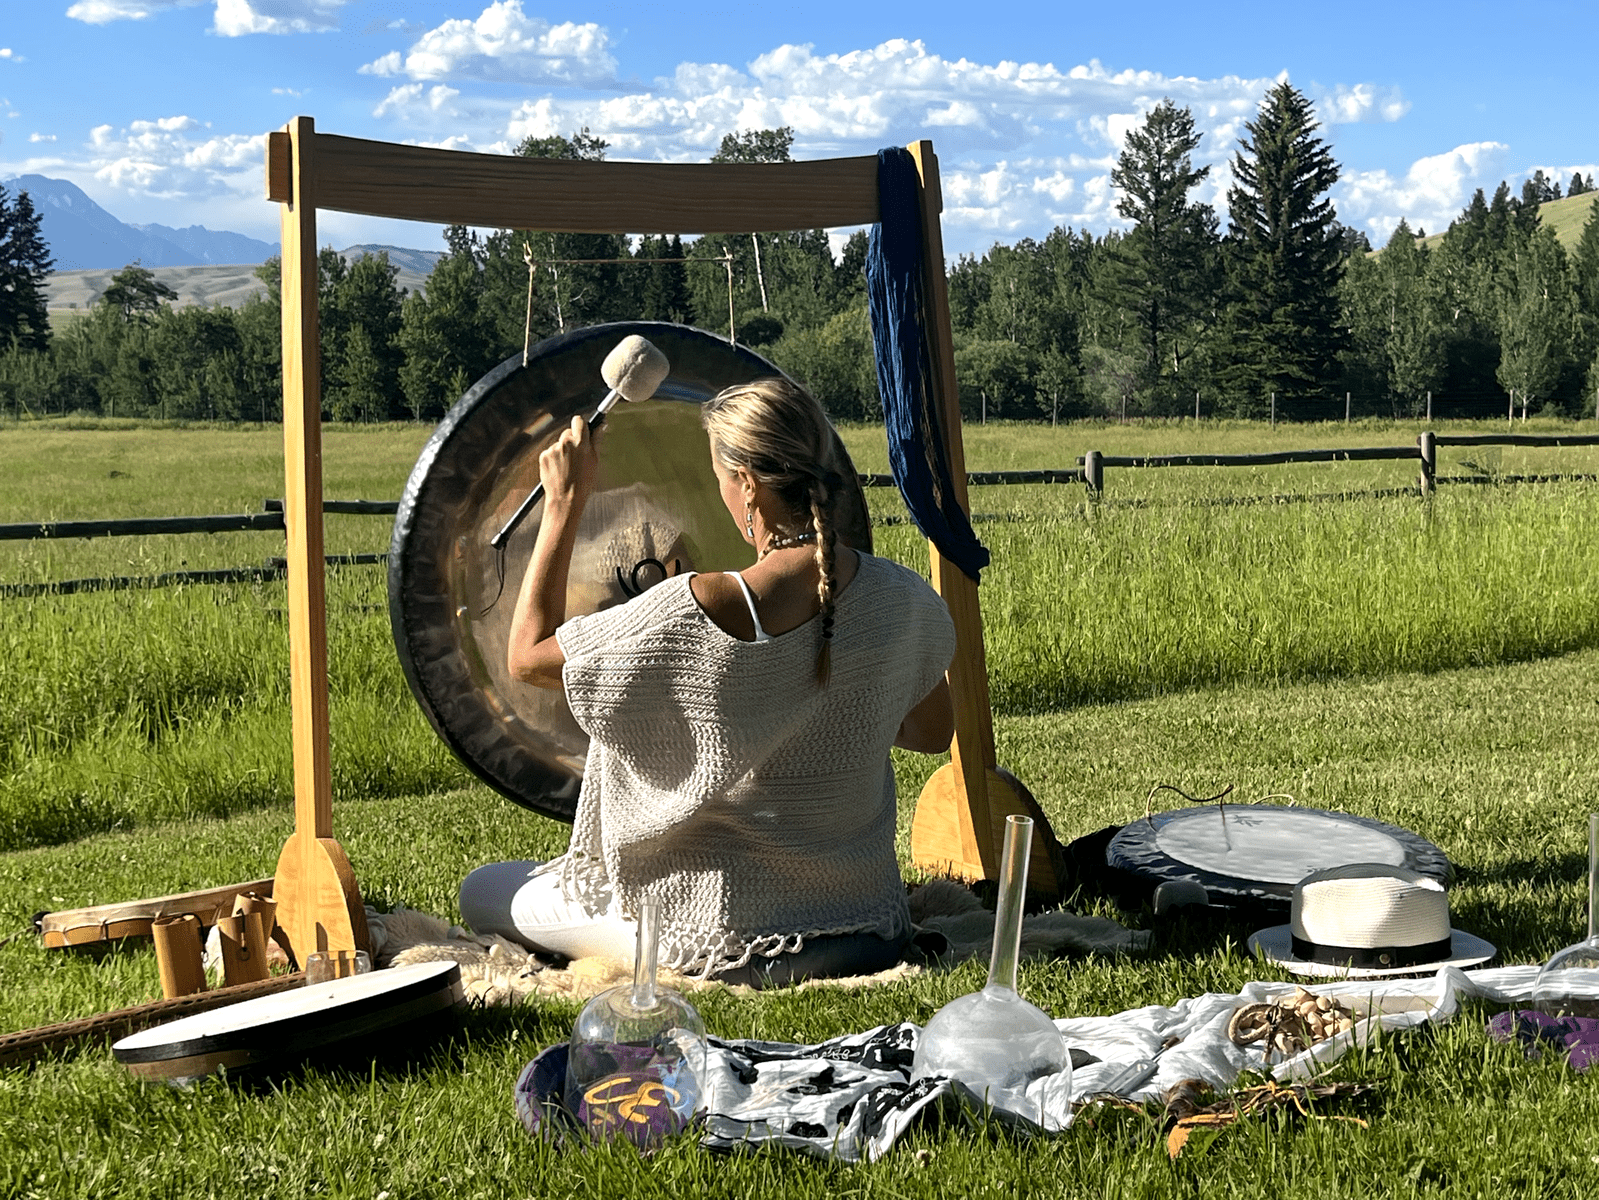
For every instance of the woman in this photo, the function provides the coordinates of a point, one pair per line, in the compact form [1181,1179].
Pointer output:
[739,723]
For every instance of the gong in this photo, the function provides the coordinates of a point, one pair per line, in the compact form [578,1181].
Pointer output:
[656,512]
[1255,853]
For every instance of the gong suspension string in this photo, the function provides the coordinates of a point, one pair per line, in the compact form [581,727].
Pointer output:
[533,264]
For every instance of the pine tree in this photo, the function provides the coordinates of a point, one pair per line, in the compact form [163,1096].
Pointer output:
[1285,256]
[25,263]
[1169,256]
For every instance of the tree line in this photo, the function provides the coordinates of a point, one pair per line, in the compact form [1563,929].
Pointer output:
[1285,310]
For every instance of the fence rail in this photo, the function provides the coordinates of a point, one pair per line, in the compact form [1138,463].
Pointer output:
[1090,471]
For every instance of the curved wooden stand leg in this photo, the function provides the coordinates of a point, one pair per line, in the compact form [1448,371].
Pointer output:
[938,847]
[319,905]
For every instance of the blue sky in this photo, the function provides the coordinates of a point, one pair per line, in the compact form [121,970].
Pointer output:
[157,108]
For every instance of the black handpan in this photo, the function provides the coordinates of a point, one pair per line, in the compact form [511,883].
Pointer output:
[656,512]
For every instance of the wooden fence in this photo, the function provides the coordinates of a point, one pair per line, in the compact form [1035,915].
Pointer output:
[1425,452]
[1090,471]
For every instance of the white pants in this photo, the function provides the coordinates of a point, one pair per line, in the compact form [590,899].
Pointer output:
[523,903]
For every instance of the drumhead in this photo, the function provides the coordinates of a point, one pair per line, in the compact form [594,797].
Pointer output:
[289,1024]
[657,511]
[1257,852]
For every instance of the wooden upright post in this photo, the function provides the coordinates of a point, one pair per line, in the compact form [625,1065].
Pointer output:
[1428,443]
[319,905]
[972,751]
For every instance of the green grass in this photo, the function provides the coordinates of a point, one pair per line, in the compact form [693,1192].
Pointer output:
[1432,666]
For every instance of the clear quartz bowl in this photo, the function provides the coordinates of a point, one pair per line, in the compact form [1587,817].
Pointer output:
[991,1041]
[1568,984]
[636,1062]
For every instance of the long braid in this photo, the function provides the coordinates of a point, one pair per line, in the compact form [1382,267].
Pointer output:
[826,537]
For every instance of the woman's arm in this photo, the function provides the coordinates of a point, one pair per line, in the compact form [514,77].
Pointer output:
[567,469]
[928,728]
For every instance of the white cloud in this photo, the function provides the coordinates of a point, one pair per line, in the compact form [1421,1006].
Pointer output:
[41,137]
[505,45]
[232,18]
[1431,194]
[10,55]
[236,18]
[1345,105]
[410,101]
[102,12]
[1023,145]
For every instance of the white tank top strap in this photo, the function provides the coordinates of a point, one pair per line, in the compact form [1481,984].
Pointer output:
[749,598]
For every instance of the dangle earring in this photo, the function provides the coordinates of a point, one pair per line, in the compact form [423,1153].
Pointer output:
[749,521]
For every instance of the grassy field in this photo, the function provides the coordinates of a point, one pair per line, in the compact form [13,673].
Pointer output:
[1429,665]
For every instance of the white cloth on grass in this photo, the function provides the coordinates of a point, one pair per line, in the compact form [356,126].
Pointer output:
[851,1097]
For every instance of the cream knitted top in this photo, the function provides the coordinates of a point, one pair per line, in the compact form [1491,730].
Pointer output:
[756,805]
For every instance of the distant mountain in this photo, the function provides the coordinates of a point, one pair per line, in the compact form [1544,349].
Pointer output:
[82,234]
[214,246]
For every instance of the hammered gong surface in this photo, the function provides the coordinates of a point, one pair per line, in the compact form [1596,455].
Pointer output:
[656,507]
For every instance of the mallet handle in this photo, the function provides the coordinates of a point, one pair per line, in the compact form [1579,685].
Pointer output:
[499,539]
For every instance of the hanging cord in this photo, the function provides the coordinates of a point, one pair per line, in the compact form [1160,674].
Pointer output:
[527,328]
[527,344]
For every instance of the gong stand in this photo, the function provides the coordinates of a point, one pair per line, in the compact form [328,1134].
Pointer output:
[319,905]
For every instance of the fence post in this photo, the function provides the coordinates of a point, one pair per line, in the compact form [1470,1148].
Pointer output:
[1428,442]
[1274,410]
[1346,408]
[1429,407]
[1094,473]
[1196,405]
[1510,415]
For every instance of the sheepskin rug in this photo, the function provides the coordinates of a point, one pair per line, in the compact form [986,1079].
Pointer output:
[950,921]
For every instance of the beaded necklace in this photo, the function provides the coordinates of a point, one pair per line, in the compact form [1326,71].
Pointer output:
[787,541]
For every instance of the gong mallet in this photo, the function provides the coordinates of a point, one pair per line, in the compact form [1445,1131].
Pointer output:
[633,371]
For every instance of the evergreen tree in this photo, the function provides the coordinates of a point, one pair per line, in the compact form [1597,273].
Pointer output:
[1169,256]
[1414,342]
[25,263]
[663,286]
[443,331]
[1285,255]
[1536,317]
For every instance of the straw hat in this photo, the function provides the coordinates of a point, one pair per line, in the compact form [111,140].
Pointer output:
[1367,921]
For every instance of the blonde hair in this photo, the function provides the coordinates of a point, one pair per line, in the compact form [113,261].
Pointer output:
[775,430]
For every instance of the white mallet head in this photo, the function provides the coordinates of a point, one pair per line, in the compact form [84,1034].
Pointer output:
[634,369]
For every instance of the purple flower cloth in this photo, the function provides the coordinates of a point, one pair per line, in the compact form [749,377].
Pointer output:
[1578,1036]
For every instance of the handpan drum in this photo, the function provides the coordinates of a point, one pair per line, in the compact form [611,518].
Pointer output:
[657,511]
[1255,853]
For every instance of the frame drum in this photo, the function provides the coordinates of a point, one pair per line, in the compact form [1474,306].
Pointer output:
[1255,853]
[288,1025]
[656,511]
